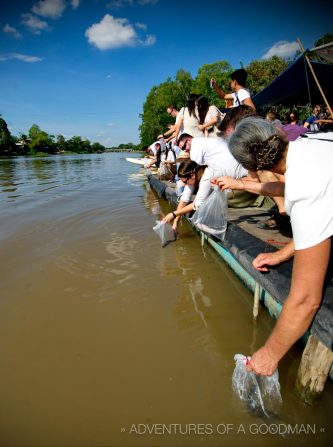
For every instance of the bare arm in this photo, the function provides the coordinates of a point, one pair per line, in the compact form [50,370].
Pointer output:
[208,124]
[271,189]
[220,92]
[179,212]
[171,130]
[180,206]
[299,309]
[263,261]
[249,102]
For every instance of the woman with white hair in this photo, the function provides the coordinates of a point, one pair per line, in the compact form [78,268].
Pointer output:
[307,166]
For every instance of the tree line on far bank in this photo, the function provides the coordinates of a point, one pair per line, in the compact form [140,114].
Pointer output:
[38,141]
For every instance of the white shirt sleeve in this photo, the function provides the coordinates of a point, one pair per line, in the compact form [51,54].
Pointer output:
[205,188]
[242,95]
[186,197]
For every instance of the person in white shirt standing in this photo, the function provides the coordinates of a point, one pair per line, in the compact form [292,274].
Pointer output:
[240,95]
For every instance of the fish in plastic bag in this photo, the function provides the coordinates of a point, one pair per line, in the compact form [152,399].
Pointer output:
[211,217]
[165,232]
[260,393]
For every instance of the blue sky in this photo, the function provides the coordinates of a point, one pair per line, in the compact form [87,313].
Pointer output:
[84,67]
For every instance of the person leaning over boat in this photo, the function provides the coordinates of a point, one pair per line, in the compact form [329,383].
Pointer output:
[172,111]
[215,155]
[197,181]
[307,165]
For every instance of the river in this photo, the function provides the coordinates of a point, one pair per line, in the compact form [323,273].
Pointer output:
[108,339]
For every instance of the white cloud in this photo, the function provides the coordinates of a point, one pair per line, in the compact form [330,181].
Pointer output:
[148,41]
[75,3]
[112,33]
[141,26]
[117,4]
[19,57]
[111,124]
[33,23]
[12,31]
[49,8]
[109,76]
[282,49]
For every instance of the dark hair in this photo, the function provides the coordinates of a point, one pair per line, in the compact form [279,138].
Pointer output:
[271,116]
[240,76]
[296,117]
[183,137]
[256,144]
[189,167]
[172,107]
[190,103]
[234,116]
[203,106]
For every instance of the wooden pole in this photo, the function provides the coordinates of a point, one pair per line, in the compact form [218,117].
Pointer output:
[256,301]
[314,75]
[313,370]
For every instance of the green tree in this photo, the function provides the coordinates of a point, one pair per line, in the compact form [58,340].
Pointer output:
[61,143]
[221,72]
[97,147]
[40,141]
[74,144]
[154,117]
[326,38]
[7,144]
[263,72]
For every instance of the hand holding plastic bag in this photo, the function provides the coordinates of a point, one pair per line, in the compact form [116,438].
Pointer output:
[211,217]
[165,232]
[260,393]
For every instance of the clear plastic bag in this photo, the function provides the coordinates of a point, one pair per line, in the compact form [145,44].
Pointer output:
[260,393]
[211,217]
[165,232]
[146,162]
[164,172]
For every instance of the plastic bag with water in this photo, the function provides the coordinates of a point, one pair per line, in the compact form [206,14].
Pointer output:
[146,162]
[165,232]
[260,393]
[211,217]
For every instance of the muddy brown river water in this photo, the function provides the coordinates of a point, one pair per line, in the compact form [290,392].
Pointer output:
[107,339]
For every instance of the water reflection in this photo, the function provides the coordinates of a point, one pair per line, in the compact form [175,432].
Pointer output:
[29,175]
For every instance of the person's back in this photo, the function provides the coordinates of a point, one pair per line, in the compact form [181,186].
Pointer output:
[214,153]
[190,123]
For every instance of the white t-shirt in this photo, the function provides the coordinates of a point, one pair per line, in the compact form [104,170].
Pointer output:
[171,157]
[178,117]
[240,96]
[204,190]
[190,123]
[213,112]
[214,152]
[309,189]
[153,148]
